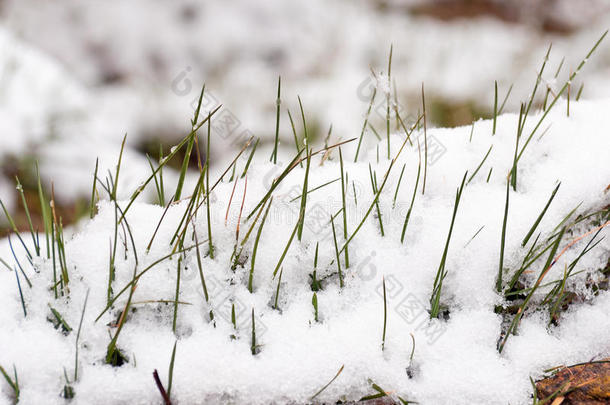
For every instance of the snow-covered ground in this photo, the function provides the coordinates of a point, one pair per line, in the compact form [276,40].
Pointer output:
[455,360]
[75,79]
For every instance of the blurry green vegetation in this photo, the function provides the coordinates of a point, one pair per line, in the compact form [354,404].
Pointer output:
[25,169]
[446,114]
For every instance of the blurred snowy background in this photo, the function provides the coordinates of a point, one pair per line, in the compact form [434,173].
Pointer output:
[75,76]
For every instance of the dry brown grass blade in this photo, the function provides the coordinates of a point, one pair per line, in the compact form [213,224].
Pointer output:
[230,200]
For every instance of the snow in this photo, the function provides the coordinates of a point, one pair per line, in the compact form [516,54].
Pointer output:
[455,361]
[47,115]
[35,91]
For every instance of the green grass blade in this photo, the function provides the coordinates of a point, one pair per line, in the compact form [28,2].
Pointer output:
[503,240]
[327,385]
[80,326]
[408,216]
[366,123]
[277,291]
[441,273]
[28,217]
[537,222]
[255,248]
[170,379]
[337,257]
[398,185]
[480,165]
[385,316]
[560,93]
[278,102]
[493,132]
[343,184]
[247,166]
[304,198]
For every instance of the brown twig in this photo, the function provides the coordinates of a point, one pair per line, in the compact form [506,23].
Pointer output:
[166,399]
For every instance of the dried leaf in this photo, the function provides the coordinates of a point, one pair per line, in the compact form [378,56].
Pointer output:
[583,384]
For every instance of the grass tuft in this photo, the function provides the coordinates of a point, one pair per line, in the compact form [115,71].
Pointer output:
[12,382]
[517,319]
